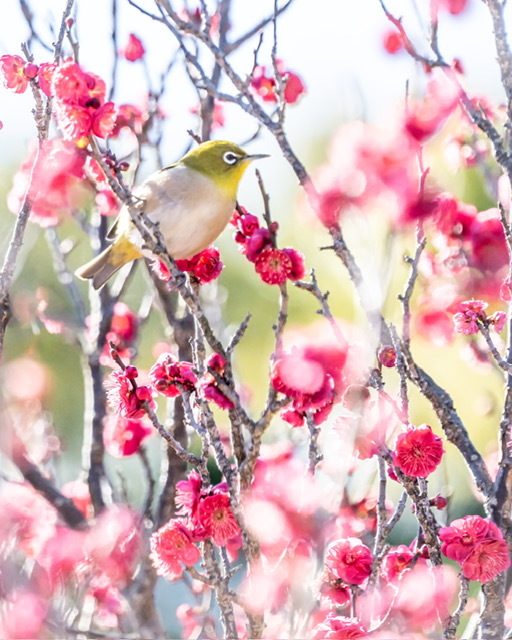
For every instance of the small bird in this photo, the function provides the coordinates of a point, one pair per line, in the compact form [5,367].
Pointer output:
[192,201]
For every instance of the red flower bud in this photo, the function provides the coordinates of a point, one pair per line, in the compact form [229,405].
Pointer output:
[131,372]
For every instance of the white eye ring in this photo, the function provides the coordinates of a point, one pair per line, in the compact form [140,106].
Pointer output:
[230,158]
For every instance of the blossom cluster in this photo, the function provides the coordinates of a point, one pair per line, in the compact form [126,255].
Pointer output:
[203,513]
[266,87]
[312,375]
[16,73]
[170,377]
[477,544]
[274,266]
[470,313]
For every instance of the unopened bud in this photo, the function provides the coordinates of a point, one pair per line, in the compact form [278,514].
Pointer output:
[387,356]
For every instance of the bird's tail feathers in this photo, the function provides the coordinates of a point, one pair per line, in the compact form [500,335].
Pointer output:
[104,265]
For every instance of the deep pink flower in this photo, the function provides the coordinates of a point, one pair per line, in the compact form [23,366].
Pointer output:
[273,266]
[246,222]
[45,76]
[464,534]
[467,316]
[396,561]
[387,356]
[418,451]
[188,493]
[107,202]
[12,73]
[168,372]
[256,243]
[349,560]
[123,437]
[486,560]
[80,103]
[134,49]
[104,119]
[294,87]
[392,41]
[171,546]
[336,627]
[205,266]
[298,267]
[124,399]
[214,514]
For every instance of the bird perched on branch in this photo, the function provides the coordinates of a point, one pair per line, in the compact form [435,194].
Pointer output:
[191,200]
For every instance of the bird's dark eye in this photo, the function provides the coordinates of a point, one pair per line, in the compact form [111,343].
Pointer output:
[230,157]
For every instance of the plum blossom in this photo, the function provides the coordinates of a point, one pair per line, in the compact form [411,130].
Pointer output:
[171,548]
[134,49]
[349,560]
[80,103]
[418,451]
[468,315]
[215,516]
[168,372]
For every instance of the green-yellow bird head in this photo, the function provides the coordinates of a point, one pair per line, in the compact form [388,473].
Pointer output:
[223,162]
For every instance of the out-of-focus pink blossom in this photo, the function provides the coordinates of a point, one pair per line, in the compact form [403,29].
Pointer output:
[61,188]
[134,49]
[171,548]
[336,627]
[114,543]
[24,615]
[123,437]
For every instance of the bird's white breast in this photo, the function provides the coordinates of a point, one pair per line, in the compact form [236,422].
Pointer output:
[189,207]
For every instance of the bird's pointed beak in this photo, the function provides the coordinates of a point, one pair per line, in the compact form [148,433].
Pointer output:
[256,156]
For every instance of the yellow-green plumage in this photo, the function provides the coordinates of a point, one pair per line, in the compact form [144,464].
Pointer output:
[191,200]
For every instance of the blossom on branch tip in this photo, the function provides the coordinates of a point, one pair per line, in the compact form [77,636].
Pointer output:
[80,104]
[134,49]
[418,451]
[392,41]
[168,372]
[468,315]
[124,398]
[12,72]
